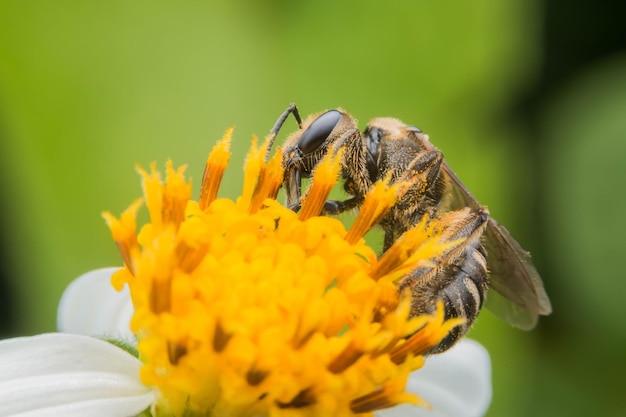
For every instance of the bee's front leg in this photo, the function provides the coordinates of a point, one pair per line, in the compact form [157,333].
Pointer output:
[335,207]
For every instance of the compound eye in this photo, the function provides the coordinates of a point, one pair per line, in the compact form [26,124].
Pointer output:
[318,132]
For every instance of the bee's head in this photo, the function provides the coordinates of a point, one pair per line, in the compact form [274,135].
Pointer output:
[320,132]
[305,148]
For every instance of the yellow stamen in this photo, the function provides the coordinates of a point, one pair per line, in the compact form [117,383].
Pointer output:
[269,178]
[324,179]
[255,162]
[428,336]
[389,395]
[176,194]
[153,194]
[247,308]
[378,201]
[124,233]
[214,169]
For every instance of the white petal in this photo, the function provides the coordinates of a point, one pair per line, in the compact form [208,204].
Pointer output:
[60,374]
[91,306]
[456,383]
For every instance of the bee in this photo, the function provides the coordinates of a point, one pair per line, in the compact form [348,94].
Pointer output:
[489,258]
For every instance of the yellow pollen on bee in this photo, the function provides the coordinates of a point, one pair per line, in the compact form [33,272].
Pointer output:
[248,308]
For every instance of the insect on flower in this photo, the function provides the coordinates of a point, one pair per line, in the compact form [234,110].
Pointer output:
[490,257]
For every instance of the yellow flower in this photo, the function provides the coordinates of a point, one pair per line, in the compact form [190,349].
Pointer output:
[245,308]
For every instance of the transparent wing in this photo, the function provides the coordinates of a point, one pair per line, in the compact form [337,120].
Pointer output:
[517,293]
[512,272]
[510,312]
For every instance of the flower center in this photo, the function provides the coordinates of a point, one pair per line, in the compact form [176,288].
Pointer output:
[247,308]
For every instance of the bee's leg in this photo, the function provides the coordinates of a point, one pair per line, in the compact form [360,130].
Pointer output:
[336,207]
[292,109]
[293,189]
[390,238]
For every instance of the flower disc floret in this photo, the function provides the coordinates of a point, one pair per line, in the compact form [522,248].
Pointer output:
[247,308]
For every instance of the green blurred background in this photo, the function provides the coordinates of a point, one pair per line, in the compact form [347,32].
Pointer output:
[527,99]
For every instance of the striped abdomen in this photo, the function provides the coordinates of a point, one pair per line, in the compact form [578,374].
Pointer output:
[459,279]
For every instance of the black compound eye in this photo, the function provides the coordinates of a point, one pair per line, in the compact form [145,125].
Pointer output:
[318,132]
